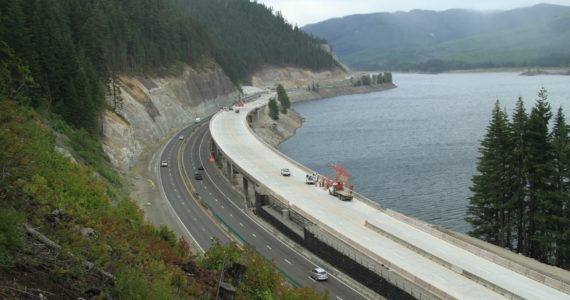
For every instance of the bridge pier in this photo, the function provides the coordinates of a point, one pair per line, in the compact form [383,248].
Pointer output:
[249,193]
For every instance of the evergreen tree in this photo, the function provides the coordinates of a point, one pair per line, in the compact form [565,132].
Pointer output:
[273,109]
[555,220]
[380,77]
[518,174]
[283,98]
[387,77]
[539,170]
[487,210]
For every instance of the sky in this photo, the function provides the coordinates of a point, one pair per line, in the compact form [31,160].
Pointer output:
[303,12]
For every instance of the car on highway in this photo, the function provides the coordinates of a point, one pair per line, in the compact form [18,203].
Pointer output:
[201,168]
[319,274]
[198,176]
[285,172]
[181,137]
[164,163]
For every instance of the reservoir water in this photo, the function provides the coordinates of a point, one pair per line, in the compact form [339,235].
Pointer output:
[414,149]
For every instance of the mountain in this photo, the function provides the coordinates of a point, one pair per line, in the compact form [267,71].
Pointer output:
[452,39]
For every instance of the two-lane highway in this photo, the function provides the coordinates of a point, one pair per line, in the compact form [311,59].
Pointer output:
[226,206]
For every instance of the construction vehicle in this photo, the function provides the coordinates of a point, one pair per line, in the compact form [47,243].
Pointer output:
[338,185]
[337,189]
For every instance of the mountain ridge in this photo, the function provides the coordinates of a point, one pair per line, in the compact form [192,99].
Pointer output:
[409,40]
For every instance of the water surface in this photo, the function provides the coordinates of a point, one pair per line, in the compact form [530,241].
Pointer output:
[414,148]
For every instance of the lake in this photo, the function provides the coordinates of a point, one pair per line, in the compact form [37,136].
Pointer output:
[414,149]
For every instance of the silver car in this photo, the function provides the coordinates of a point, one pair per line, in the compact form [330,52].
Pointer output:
[319,274]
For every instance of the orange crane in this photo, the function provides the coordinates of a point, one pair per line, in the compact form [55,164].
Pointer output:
[337,184]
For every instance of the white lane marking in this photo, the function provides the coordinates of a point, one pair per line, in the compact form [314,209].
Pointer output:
[268,247]
[259,225]
[203,229]
[287,261]
[339,298]
[183,203]
[254,235]
[312,279]
[240,224]
[222,207]
[195,220]
[231,215]
[216,199]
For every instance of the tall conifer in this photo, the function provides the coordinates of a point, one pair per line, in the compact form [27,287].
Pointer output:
[486,209]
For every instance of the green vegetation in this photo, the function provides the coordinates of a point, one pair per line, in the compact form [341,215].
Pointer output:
[59,198]
[372,79]
[70,49]
[273,109]
[66,55]
[251,35]
[521,196]
[283,98]
[58,60]
[430,41]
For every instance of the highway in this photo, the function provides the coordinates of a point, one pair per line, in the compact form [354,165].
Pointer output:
[440,266]
[226,209]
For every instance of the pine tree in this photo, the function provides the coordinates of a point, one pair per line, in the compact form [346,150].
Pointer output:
[273,109]
[557,222]
[283,98]
[538,165]
[487,207]
[518,173]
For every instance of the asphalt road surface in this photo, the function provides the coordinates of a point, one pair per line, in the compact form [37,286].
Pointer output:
[222,207]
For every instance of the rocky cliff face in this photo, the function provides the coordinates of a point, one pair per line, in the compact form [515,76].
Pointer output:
[155,107]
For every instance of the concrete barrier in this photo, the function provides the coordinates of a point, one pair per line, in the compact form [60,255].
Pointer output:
[365,254]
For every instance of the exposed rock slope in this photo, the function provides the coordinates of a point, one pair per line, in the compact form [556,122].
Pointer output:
[155,107]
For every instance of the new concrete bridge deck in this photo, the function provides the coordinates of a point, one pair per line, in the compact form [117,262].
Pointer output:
[442,268]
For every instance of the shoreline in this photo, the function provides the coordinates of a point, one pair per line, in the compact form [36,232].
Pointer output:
[276,132]
[267,133]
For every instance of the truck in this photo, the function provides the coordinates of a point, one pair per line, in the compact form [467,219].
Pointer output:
[337,189]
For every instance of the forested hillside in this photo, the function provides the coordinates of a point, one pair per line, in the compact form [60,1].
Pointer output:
[70,49]
[68,229]
[250,35]
[433,41]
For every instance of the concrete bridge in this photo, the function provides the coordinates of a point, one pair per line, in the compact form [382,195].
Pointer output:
[397,256]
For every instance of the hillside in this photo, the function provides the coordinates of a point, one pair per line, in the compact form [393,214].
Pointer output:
[249,35]
[68,228]
[453,39]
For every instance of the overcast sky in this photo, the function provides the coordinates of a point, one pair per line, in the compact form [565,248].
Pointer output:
[303,12]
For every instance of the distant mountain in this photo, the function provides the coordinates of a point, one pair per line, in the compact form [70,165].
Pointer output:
[452,39]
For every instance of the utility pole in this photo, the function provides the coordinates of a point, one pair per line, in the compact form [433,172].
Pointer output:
[221,277]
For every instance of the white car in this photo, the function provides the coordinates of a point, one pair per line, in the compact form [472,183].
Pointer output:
[310,179]
[181,137]
[285,172]
[319,274]
[164,163]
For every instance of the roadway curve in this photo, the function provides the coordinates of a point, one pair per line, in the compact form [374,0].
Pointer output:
[441,267]
[225,206]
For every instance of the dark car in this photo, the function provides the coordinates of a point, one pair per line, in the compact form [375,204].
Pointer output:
[201,168]
[198,176]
